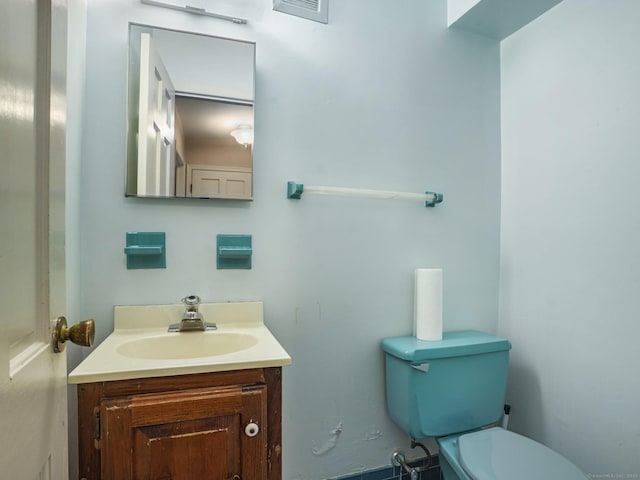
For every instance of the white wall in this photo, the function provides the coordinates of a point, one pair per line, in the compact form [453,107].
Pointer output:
[380,97]
[570,258]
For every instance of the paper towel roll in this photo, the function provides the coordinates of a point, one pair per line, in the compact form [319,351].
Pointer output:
[427,323]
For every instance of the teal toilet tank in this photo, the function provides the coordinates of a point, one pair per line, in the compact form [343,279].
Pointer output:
[452,385]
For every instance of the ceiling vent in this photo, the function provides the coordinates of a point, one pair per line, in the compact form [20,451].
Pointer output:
[316,10]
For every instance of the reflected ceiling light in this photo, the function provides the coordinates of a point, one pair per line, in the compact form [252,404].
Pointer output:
[243,134]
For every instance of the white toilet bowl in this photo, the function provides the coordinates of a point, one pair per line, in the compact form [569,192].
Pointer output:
[498,454]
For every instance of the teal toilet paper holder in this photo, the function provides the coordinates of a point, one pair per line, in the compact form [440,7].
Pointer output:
[145,250]
[234,252]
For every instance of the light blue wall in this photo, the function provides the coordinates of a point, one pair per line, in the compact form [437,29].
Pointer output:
[570,255]
[76,69]
[383,98]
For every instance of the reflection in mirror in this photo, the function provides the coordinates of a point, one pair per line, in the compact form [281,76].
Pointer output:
[190,115]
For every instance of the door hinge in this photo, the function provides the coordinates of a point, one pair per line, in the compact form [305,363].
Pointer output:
[191,188]
[97,427]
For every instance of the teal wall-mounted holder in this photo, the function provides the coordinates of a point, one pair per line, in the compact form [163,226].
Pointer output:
[234,252]
[438,197]
[294,190]
[145,250]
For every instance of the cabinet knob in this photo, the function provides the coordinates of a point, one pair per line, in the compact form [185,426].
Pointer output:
[235,477]
[252,429]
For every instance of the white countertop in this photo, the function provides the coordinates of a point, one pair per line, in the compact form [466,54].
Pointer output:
[135,323]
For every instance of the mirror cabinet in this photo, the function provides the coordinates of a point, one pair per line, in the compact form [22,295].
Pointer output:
[190,118]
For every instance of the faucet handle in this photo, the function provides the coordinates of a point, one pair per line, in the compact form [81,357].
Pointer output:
[191,301]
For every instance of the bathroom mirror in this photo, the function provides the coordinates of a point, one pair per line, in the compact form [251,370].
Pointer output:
[189,115]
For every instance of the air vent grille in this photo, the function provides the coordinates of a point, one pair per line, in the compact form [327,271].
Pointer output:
[308,4]
[316,10]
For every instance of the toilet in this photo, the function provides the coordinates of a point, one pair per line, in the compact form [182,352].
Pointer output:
[454,389]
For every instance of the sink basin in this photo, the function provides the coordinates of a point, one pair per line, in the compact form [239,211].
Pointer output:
[141,347]
[187,345]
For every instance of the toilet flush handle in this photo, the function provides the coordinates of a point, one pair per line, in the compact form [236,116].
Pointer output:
[423,367]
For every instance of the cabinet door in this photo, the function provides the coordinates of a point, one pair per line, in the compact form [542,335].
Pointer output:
[193,434]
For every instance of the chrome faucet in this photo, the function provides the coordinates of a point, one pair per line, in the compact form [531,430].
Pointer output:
[192,319]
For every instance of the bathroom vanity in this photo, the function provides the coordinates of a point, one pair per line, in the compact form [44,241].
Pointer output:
[193,426]
[160,405]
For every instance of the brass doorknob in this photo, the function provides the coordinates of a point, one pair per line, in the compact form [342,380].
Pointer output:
[81,334]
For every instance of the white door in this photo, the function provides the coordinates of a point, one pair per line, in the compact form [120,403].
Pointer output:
[33,403]
[210,182]
[156,124]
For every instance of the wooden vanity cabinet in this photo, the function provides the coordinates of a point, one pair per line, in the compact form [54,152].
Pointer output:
[214,426]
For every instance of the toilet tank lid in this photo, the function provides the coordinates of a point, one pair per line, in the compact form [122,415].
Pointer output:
[453,344]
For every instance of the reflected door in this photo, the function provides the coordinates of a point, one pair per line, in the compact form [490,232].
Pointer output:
[156,124]
[209,182]
[33,409]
